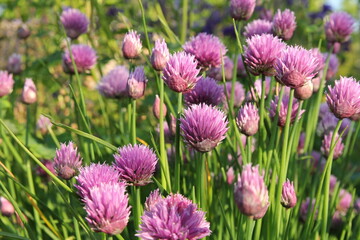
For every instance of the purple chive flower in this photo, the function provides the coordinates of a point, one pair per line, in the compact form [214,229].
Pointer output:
[84,58]
[239,94]
[29,93]
[136,164]
[94,175]
[49,164]
[333,65]
[325,147]
[284,24]
[266,14]
[14,64]
[261,52]
[107,208]
[6,83]
[216,72]
[255,92]
[43,124]
[160,55]
[304,92]
[344,98]
[206,91]
[251,194]
[295,67]
[7,209]
[113,84]
[174,217]
[131,46]
[345,199]
[319,59]
[136,83]
[74,22]
[333,181]
[23,32]
[67,161]
[242,9]
[258,27]
[156,108]
[181,72]
[248,119]
[306,208]
[339,27]
[203,127]
[207,49]
[230,175]
[153,198]
[283,109]
[288,197]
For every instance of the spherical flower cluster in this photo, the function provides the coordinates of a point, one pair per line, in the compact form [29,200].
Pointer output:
[107,208]
[207,49]
[284,24]
[255,92]
[131,46]
[43,124]
[206,91]
[173,217]
[29,93]
[261,52]
[113,84]
[181,72]
[344,98]
[203,127]
[339,27]
[84,58]
[216,72]
[251,194]
[74,22]
[6,83]
[258,27]
[239,93]
[94,175]
[288,196]
[326,145]
[248,119]
[283,109]
[14,64]
[242,9]
[153,198]
[67,161]
[136,83]
[333,65]
[295,67]
[136,164]
[160,55]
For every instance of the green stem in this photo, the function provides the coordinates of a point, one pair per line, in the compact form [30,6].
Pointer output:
[262,130]
[248,144]
[184,22]
[54,138]
[250,223]
[133,121]
[137,206]
[178,159]
[334,141]
[201,184]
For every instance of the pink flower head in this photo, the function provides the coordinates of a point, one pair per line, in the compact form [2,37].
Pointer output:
[345,199]
[136,83]
[216,72]
[29,93]
[7,209]
[283,109]
[74,22]
[326,143]
[84,58]
[305,91]
[23,31]
[160,55]
[173,217]
[333,181]
[248,119]
[43,124]
[6,83]
[295,67]
[251,194]
[94,175]
[113,84]
[203,127]
[181,72]
[14,64]
[255,92]
[49,164]
[239,94]
[242,9]
[67,161]
[344,98]
[284,24]
[288,197]
[258,27]
[230,175]
[136,164]
[131,46]
[207,49]
[206,91]
[339,27]
[306,208]
[107,208]
[261,52]
[156,108]
[333,65]
[153,198]
[319,59]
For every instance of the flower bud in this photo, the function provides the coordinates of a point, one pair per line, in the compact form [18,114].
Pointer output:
[29,93]
[156,108]
[7,209]
[67,161]
[288,197]
[248,119]
[304,92]
[160,55]
[23,32]
[242,9]
[136,83]
[14,64]
[6,83]
[132,45]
